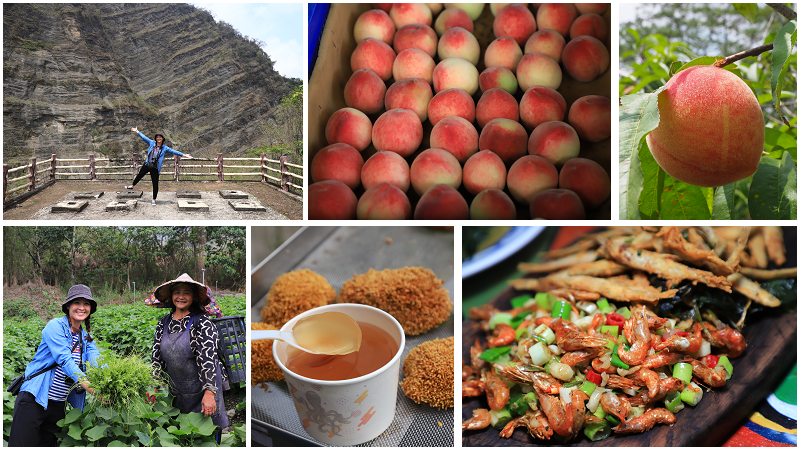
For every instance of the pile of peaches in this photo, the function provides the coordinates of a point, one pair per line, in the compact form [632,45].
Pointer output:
[499,149]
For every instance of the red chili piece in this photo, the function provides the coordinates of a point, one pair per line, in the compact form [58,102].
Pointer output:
[615,319]
[593,377]
[712,360]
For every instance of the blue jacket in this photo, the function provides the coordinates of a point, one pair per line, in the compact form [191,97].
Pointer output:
[55,347]
[152,145]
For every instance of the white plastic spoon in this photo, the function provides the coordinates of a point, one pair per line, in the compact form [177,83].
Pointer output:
[286,337]
[329,333]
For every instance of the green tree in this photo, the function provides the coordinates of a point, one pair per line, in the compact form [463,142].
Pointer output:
[284,130]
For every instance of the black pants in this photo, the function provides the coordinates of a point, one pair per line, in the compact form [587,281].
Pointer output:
[153,176]
[32,424]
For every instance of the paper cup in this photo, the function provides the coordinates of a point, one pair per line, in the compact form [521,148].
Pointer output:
[352,411]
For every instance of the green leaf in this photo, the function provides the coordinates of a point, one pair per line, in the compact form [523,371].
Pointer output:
[638,116]
[650,199]
[97,432]
[116,444]
[205,425]
[104,412]
[75,431]
[748,10]
[72,416]
[683,201]
[702,61]
[175,431]
[784,43]
[725,201]
[773,193]
[144,439]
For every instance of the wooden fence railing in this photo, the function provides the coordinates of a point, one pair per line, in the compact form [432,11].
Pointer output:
[280,172]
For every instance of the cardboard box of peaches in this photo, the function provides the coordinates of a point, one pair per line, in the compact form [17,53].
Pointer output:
[455,142]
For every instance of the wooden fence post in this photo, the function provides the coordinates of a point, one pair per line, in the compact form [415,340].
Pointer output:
[92,174]
[5,181]
[284,176]
[32,174]
[53,167]
[135,164]
[220,176]
[264,168]
[177,168]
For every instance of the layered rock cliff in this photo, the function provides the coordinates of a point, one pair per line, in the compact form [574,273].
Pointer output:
[77,77]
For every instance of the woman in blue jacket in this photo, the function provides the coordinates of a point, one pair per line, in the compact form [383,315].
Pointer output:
[155,156]
[41,400]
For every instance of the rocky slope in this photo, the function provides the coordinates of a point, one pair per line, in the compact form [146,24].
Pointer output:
[77,77]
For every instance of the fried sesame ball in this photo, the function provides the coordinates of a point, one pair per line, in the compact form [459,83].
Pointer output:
[294,293]
[262,366]
[413,296]
[428,371]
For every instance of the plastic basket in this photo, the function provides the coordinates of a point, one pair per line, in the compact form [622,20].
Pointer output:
[233,344]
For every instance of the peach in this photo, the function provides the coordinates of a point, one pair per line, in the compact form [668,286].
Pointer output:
[589,25]
[442,202]
[591,8]
[349,126]
[403,14]
[374,24]
[529,176]
[331,200]
[498,77]
[399,131]
[457,136]
[484,170]
[492,204]
[374,55]
[416,35]
[413,63]
[590,116]
[474,10]
[587,179]
[413,94]
[503,51]
[585,58]
[556,16]
[457,42]
[383,201]
[496,7]
[455,73]
[452,17]
[711,129]
[338,162]
[436,8]
[514,20]
[538,69]
[557,204]
[434,167]
[388,167]
[451,102]
[506,138]
[496,103]
[541,104]
[364,91]
[384,7]
[554,141]
[548,42]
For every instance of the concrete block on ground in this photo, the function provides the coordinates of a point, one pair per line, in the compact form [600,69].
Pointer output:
[70,206]
[192,205]
[127,205]
[232,194]
[246,206]
[89,195]
[187,194]
[129,194]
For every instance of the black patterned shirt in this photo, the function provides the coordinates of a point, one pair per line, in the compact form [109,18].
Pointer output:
[203,342]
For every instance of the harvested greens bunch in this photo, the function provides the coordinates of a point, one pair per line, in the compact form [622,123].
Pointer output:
[120,380]
[627,327]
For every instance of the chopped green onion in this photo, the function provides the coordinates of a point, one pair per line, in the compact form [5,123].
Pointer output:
[616,361]
[600,413]
[610,344]
[540,354]
[499,317]
[530,399]
[520,333]
[573,383]
[602,304]
[541,339]
[519,301]
[492,355]
[625,312]
[499,418]
[682,371]
[724,361]
[692,394]
[588,388]
[612,419]
[562,310]
[597,431]
[545,332]
[612,330]
[673,402]
[545,300]
[517,404]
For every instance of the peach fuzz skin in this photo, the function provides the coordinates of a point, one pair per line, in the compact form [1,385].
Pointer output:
[556,142]
[538,69]
[376,24]
[503,51]
[383,201]
[374,55]
[399,131]
[492,204]
[457,42]
[541,104]
[590,116]
[331,200]
[338,162]
[434,167]
[711,128]
[548,42]
[587,179]
[506,138]
[455,73]
[496,103]
[457,136]
[557,204]
[442,202]
[417,36]
[498,77]
[451,102]
[529,176]
[387,167]
[413,63]
[452,17]
[516,21]
[474,10]
[364,91]
[585,58]
[413,94]
[484,170]
[403,14]
[556,16]
[349,126]
[589,25]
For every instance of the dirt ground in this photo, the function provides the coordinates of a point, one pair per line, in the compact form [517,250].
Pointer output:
[38,206]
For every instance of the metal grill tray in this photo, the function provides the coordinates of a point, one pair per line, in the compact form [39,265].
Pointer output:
[337,253]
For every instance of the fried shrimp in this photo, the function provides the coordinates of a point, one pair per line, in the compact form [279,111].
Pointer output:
[428,371]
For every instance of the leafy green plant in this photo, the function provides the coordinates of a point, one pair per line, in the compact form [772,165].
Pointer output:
[120,380]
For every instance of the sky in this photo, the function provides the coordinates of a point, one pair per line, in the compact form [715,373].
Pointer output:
[279,25]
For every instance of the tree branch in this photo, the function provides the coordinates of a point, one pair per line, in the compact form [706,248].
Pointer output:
[742,55]
[783,10]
